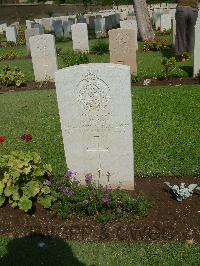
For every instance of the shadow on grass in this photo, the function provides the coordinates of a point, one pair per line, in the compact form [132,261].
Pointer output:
[187,69]
[36,250]
[168,52]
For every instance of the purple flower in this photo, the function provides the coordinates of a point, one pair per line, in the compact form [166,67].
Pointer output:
[70,173]
[48,183]
[85,203]
[65,190]
[69,192]
[106,189]
[88,178]
[105,199]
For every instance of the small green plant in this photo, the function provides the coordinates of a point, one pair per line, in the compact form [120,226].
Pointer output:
[11,77]
[182,192]
[59,51]
[100,47]
[185,56]
[8,56]
[169,65]
[6,44]
[21,35]
[23,178]
[71,58]
[134,78]
[101,203]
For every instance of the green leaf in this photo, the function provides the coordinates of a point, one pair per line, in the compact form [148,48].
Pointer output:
[14,204]
[46,190]
[31,189]
[2,200]
[45,201]
[2,185]
[11,190]
[25,204]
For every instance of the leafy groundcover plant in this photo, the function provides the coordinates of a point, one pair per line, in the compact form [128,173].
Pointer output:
[24,179]
[72,58]
[102,203]
[8,56]
[11,77]
[100,47]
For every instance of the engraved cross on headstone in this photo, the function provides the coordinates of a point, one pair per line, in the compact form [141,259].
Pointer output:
[100,151]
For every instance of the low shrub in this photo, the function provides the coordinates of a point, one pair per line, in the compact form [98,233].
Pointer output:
[23,179]
[21,36]
[71,58]
[100,47]
[169,64]
[8,56]
[11,77]
[102,203]
[134,78]
[155,44]
[6,44]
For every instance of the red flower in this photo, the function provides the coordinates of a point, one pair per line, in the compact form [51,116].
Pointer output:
[26,137]
[2,139]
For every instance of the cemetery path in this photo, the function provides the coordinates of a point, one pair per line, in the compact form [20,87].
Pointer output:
[167,220]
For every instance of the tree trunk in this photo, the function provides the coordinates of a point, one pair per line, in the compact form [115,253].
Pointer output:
[143,20]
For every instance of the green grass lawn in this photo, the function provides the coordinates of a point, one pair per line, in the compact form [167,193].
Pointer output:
[149,63]
[25,252]
[166,128]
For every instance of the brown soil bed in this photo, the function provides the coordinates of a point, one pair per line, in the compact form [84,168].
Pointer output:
[168,82]
[167,221]
[51,85]
[29,86]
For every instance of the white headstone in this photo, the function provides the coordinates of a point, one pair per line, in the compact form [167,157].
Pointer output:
[67,28]
[80,37]
[173,32]
[29,24]
[96,121]
[100,26]
[3,27]
[38,26]
[44,57]
[11,34]
[29,33]
[57,28]
[165,22]
[130,24]
[47,24]
[196,60]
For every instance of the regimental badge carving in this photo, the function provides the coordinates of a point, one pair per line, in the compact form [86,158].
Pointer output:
[120,44]
[93,93]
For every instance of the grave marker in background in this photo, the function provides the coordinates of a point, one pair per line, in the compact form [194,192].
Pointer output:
[80,37]
[44,57]
[131,24]
[122,46]
[11,34]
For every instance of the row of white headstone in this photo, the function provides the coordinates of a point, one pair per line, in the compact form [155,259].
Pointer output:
[122,45]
